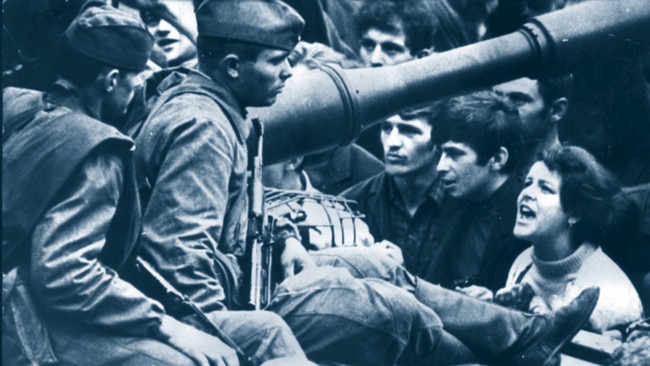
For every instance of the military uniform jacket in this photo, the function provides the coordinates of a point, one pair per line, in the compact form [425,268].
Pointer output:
[70,210]
[193,157]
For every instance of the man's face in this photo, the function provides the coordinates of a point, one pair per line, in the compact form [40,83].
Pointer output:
[117,101]
[380,48]
[408,148]
[524,93]
[461,174]
[272,175]
[176,46]
[261,81]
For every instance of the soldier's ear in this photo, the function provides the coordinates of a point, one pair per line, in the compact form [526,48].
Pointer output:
[231,64]
[108,79]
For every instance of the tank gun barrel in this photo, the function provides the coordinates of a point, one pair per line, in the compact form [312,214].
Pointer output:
[329,107]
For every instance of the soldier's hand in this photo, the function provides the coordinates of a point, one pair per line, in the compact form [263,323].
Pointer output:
[203,348]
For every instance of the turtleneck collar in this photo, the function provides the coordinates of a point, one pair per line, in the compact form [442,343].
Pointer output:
[562,267]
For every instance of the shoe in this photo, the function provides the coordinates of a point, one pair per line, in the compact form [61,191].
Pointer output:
[563,326]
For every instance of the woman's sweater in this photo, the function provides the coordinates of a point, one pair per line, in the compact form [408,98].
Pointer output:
[556,283]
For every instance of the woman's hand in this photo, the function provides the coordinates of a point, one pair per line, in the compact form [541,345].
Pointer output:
[516,297]
[202,348]
[479,292]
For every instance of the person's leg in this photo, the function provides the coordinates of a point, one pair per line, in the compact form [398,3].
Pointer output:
[491,331]
[80,345]
[262,335]
[340,319]
[364,262]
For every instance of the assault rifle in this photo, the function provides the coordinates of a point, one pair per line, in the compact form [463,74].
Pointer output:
[258,238]
[177,303]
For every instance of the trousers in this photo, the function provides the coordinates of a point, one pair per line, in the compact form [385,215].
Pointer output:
[335,318]
[358,307]
[342,320]
[260,334]
[491,332]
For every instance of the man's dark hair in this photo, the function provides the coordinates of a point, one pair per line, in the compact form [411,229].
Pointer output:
[553,88]
[428,113]
[212,49]
[386,15]
[485,122]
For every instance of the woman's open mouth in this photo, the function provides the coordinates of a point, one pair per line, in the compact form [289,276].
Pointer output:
[526,212]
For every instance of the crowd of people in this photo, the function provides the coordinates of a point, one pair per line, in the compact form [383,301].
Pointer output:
[488,228]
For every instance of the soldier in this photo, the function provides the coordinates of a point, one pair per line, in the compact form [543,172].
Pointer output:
[71,214]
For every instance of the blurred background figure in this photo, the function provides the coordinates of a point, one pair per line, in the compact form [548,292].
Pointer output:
[30,33]
[173,25]
[288,176]
[510,14]
[471,15]
[391,32]
[323,221]
[542,104]
[335,170]
[319,26]
[610,107]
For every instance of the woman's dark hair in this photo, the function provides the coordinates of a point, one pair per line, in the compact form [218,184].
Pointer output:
[587,191]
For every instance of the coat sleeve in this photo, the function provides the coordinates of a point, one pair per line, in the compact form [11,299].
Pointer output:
[66,273]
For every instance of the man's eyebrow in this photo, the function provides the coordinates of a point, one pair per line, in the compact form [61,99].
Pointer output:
[451,149]
[392,44]
[408,127]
